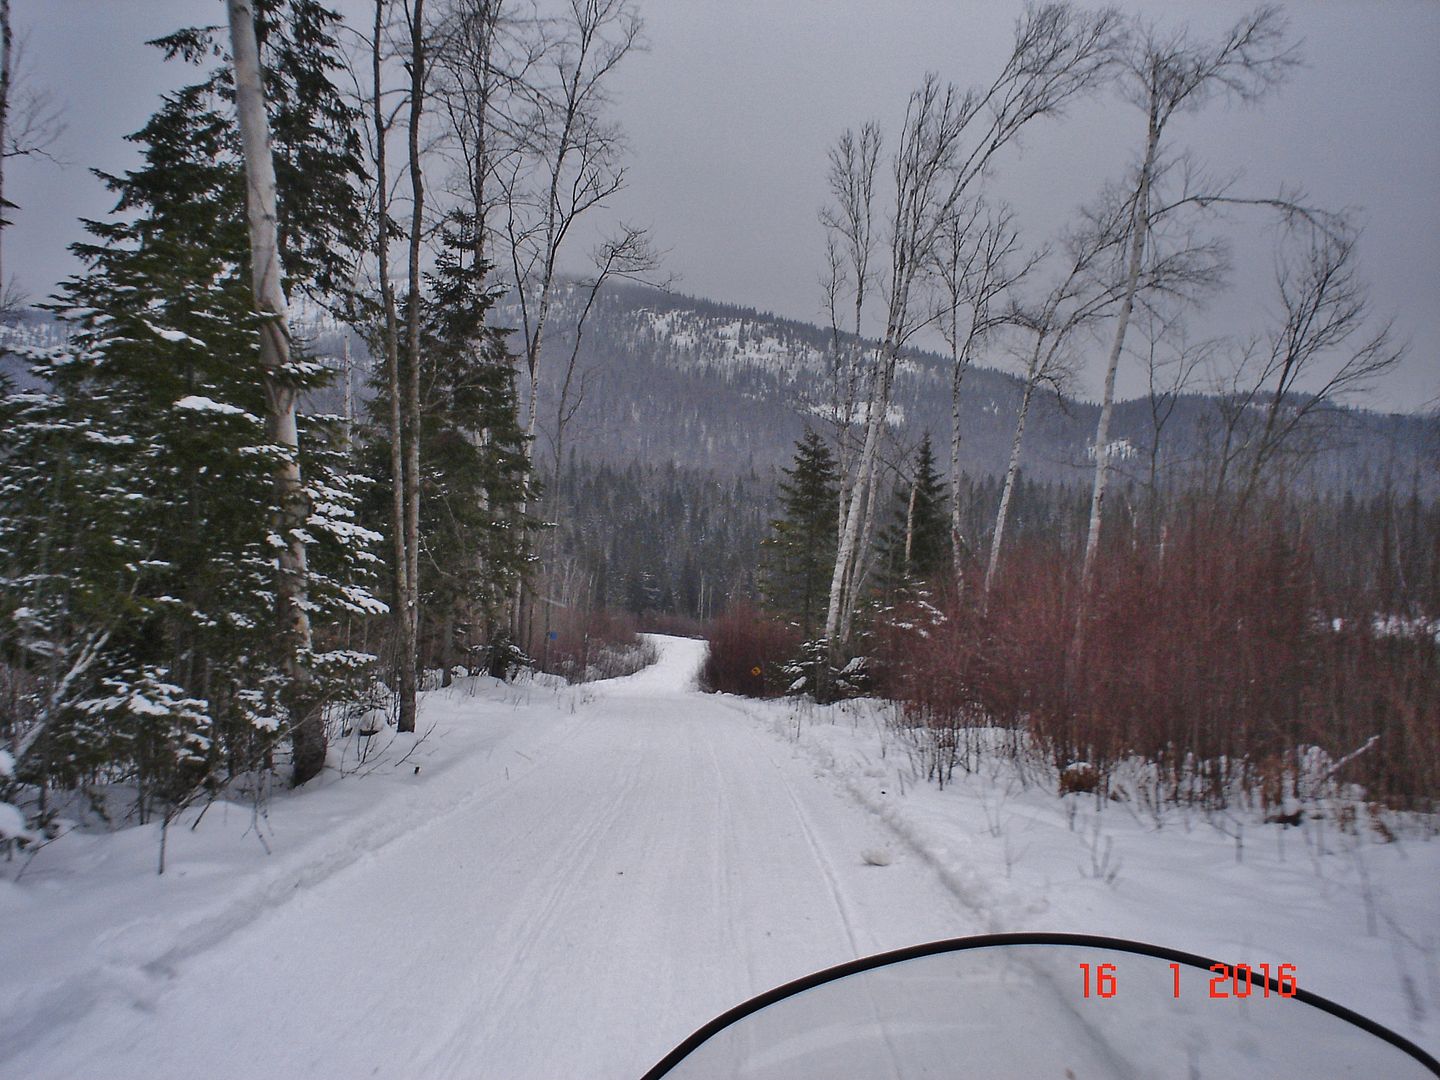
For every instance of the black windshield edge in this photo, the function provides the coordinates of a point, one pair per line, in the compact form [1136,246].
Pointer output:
[983,941]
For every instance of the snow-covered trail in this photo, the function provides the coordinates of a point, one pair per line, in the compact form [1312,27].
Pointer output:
[642,865]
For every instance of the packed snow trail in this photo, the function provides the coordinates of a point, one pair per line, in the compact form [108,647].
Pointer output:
[613,878]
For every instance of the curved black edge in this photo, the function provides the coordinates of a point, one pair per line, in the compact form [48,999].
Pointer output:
[985,941]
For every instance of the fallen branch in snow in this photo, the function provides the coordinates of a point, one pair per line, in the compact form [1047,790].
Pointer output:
[416,746]
[1370,742]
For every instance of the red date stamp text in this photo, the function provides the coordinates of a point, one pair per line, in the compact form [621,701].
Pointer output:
[1238,981]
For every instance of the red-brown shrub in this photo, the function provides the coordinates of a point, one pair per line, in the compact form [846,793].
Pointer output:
[1208,656]
[583,645]
[747,651]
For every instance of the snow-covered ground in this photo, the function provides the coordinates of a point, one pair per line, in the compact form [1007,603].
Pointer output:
[577,877]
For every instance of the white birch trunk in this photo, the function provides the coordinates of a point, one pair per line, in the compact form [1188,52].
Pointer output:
[961,364]
[412,342]
[308,731]
[860,569]
[1139,227]
[910,527]
[846,556]
[956,538]
[400,615]
[1012,472]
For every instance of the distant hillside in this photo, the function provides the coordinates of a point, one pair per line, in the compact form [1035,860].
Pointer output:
[666,378]
[673,378]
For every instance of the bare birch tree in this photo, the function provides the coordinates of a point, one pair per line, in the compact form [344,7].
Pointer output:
[382,118]
[307,729]
[570,161]
[1077,300]
[1325,348]
[849,223]
[417,66]
[972,262]
[947,141]
[485,62]
[628,255]
[402,367]
[1166,75]
[570,164]
[29,124]
[1097,280]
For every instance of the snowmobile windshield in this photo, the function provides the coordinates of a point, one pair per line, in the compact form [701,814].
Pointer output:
[1068,1007]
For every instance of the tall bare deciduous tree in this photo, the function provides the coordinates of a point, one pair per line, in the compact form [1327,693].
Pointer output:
[1095,284]
[1166,75]
[627,255]
[417,65]
[292,604]
[1076,301]
[850,238]
[29,124]
[525,96]
[974,262]
[947,141]
[402,365]
[486,60]
[404,593]
[1284,386]
[570,164]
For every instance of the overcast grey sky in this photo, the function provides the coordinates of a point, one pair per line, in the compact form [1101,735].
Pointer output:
[731,110]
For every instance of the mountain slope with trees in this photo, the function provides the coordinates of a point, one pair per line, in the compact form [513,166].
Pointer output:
[729,389]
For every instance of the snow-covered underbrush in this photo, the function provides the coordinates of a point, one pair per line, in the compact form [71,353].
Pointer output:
[609,660]
[1304,784]
[583,645]
[1344,889]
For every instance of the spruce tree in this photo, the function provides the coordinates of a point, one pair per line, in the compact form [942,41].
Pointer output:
[800,553]
[915,547]
[473,469]
[148,609]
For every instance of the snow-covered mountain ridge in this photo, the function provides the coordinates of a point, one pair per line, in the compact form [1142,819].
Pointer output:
[667,376]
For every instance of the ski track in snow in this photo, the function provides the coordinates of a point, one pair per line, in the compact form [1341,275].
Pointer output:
[132,958]
[632,870]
